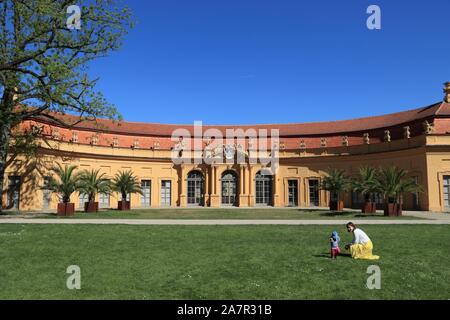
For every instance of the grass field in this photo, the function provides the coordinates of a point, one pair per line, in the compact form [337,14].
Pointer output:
[219,262]
[230,213]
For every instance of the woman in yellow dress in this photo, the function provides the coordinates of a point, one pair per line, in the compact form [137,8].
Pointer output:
[361,246]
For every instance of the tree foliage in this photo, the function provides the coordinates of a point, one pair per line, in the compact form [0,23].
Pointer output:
[366,183]
[394,183]
[125,182]
[92,182]
[65,182]
[44,64]
[336,182]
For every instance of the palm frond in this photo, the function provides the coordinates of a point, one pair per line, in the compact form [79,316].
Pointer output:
[124,182]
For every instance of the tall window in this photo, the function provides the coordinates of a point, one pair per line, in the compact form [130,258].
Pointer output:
[263,189]
[293,193]
[82,199]
[447,191]
[103,200]
[46,194]
[166,193]
[13,192]
[229,188]
[314,192]
[195,188]
[146,192]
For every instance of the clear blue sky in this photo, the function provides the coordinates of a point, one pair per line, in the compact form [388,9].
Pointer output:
[276,61]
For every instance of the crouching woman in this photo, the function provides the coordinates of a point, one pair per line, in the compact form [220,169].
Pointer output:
[361,247]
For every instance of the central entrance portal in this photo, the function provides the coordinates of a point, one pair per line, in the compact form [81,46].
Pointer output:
[229,188]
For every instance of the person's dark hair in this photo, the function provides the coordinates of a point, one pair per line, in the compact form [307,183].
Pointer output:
[351,224]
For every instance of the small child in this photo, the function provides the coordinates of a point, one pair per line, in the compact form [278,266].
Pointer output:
[334,243]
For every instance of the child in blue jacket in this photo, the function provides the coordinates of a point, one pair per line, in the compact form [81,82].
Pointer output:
[334,243]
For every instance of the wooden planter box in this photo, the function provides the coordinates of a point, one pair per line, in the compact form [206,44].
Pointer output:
[123,205]
[66,209]
[91,207]
[336,205]
[393,210]
[369,207]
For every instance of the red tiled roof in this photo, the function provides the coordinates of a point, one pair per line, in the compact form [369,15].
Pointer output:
[295,129]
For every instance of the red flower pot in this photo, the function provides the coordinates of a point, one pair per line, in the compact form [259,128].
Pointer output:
[336,205]
[91,207]
[393,210]
[369,207]
[66,209]
[123,205]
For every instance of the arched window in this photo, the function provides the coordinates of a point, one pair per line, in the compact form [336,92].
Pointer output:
[195,188]
[229,188]
[263,189]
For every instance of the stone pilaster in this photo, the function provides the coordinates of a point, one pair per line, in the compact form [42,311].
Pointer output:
[183,196]
[214,198]
[243,197]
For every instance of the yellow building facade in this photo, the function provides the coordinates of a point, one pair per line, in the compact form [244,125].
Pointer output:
[417,140]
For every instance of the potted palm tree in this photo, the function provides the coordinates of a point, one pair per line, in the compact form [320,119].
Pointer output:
[65,184]
[393,185]
[91,182]
[367,185]
[407,185]
[124,182]
[336,182]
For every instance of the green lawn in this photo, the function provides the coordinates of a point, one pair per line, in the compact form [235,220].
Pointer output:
[215,262]
[231,213]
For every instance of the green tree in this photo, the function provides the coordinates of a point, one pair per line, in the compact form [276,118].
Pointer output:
[336,182]
[394,183]
[43,63]
[91,182]
[125,182]
[66,182]
[366,183]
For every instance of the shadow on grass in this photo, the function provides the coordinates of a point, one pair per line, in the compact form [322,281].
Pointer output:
[337,213]
[327,255]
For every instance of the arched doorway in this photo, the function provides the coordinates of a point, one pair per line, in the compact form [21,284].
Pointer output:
[195,188]
[229,188]
[263,189]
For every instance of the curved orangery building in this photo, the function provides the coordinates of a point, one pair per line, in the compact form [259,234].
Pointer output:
[417,140]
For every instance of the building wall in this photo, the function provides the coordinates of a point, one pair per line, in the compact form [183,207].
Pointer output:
[425,162]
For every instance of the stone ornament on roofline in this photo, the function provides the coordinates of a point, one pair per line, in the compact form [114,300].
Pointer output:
[115,142]
[94,140]
[406,132]
[387,136]
[74,137]
[55,134]
[180,145]
[135,144]
[366,138]
[302,144]
[428,128]
[447,92]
